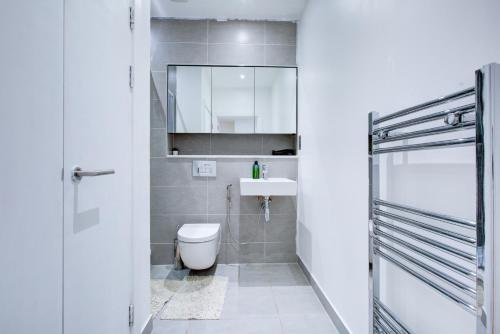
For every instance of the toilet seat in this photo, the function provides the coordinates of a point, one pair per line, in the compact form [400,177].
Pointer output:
[195,233]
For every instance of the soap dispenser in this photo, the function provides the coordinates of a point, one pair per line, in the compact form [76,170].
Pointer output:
[255,170]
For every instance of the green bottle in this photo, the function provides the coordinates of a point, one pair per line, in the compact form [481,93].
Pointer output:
[256,170]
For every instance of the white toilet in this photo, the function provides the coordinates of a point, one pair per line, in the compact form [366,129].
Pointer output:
[199,244]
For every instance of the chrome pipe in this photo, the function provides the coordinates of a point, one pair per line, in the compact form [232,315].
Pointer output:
[381,326]
[469,307]
[484,190]
[447,98]
[436,244]
[427,132]
[426,146]
[464,288]
[386,321]
[435,258]
[427,118]
[373,261]
[428,214]
[427,227]
[391,315]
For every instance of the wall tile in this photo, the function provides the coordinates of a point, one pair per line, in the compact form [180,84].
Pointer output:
[221,257]
[160,85]
[237,32]
[178,200]
[170,172]
[152,89]
[250,229]
[280,55]
[229,171]
[178,53]
[233,144]
[277,142]
[176,197]
[284,33]
[158,143]
[281,228]
[234,223]
[281,252]
[164,228]
[194,31]
[192,143]
[282,168]
[157,118]
[282,205]
[236,54]
[217,201]
[162,253]
[250,253]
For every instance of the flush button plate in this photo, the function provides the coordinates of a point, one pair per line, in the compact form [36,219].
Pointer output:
[204,168]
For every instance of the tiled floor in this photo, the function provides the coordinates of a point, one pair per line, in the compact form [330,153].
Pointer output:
[261,299]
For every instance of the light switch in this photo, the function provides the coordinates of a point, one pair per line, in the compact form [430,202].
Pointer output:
[204,168]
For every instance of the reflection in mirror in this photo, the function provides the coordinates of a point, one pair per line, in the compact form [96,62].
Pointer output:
[189,99]
[233,100]
[275,100]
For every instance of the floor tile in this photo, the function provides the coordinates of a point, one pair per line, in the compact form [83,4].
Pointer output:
[317,324]
[287,274]
[236,326]
[297,300]
[261,298]
[160,271]
[255,275]
[249,302]
[231,271]
[276,274]
[170,326]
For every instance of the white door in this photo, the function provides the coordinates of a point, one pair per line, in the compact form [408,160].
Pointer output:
[31,129]
[97,136]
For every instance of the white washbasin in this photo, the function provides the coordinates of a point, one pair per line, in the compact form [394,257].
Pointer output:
[273,186]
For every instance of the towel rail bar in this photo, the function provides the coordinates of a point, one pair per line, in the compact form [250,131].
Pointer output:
[448,98]
[464,272]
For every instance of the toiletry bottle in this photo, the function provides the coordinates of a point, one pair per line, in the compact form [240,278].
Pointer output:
[255,170]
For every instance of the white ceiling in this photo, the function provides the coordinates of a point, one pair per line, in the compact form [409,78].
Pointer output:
[280,10]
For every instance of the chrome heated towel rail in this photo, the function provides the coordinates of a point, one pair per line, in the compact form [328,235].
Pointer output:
[452,255]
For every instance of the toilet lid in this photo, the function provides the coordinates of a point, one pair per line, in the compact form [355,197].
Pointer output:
[198,232]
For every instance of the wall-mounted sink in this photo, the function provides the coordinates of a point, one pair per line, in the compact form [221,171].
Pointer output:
[273,186]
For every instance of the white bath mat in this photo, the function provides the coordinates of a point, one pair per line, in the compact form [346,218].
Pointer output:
[160,294]
[197,297]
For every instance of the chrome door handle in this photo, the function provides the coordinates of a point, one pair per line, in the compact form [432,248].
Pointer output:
[77,173]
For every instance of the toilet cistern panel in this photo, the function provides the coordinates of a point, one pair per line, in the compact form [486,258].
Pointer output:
[204,168]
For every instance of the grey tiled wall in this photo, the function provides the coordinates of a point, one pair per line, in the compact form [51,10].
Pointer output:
[230,144]
[178,198]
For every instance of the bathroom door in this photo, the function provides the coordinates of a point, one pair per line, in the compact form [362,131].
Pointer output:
[97,136]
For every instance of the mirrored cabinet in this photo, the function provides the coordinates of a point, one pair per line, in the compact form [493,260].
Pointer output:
[189,99]
[232,99]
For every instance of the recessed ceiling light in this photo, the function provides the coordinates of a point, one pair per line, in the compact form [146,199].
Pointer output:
[242,76]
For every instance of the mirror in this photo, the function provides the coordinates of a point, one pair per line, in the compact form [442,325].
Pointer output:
[189,99]
[231,99]
[275,100]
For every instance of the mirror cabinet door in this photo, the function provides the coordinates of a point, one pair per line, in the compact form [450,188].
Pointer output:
[233,100]
[189,99]
[275,100]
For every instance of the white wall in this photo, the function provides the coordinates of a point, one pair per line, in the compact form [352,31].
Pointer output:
[31,128]
[355,57]
[140,167]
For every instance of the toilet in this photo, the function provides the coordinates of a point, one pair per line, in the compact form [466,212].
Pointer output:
[199,244]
